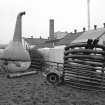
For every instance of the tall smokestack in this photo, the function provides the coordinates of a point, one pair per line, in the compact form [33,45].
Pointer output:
[51,32]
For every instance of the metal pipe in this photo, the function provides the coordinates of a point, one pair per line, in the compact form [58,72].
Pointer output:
[88,9]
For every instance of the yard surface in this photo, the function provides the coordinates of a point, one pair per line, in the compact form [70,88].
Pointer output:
[35,90]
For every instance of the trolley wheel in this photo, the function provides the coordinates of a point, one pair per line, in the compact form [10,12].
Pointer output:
[53,78]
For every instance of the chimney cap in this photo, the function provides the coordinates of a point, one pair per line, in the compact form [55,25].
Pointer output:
[51,19]
[84,29]
[104,25]
[75,31]
[32,36]
[95,27]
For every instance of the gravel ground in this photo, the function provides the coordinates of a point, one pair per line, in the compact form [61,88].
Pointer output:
[35,90]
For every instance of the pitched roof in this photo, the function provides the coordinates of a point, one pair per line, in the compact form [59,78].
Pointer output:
[40,42]
[69,38]
[35,41]
[91,34]
[60,35]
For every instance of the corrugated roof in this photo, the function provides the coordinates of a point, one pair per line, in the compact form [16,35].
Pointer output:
[91,34]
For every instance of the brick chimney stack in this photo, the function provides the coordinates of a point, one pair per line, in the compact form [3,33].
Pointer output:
[84,29]
[95,27]
[104,25]
[51,30]
[75,31]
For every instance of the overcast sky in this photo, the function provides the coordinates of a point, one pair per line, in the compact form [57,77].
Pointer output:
[68,15]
